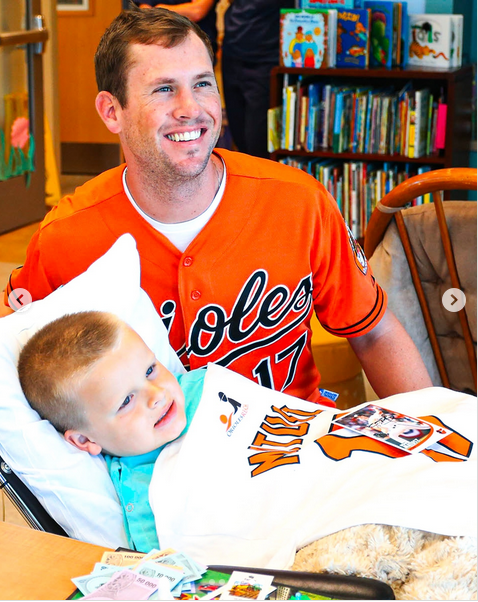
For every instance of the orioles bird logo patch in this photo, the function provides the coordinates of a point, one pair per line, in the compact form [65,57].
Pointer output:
[359,255]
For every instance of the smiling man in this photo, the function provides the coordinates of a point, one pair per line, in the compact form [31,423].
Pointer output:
[236,252]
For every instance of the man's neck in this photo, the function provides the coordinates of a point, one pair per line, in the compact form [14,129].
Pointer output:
[178,202]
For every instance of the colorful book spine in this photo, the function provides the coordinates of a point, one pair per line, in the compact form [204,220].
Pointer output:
[339,99]
[404,36]
[441,126]
[338,4]
[421,121]
[353,38]
[411,129]
[313,120]
[381,33]
[285,85]
[457,40]
[397,33]
[274,117]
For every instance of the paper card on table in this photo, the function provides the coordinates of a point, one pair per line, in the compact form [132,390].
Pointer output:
[183,562]
[88,584]
[125,585]
[152,569]
[100,567]
[216,593]
[121,558]
[399,430]
[163,592]
[247,586]
[154,553]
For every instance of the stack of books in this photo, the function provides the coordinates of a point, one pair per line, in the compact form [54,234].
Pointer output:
[357,186]
[376,120]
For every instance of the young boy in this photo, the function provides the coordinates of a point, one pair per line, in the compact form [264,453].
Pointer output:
[96,381]
[285,474]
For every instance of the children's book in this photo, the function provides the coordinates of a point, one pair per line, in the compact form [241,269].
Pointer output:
[274,119]
[381,33]
[397,33]
[457,40]
[338,4]
[441,125]
[403,60]
[307,38]
[353,37]
[430,40]
[422,98]
[314,115]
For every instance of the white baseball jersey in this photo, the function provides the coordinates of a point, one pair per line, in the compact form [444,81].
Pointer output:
[261,474]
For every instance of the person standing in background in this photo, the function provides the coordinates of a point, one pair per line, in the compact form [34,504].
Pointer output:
[202,12]
[250,50]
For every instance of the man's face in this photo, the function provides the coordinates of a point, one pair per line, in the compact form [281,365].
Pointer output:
[172,118]
[132,403]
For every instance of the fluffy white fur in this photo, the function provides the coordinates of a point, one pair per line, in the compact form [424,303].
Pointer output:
[417,565]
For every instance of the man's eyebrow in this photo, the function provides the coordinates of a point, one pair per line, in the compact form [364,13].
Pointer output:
[205,74]
[161,81]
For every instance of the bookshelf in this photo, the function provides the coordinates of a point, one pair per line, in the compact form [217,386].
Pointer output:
[454,85]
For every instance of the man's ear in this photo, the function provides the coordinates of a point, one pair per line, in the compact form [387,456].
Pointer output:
[108,109]
[82,442]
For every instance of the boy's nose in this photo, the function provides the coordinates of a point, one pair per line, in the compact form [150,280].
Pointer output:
[155,396]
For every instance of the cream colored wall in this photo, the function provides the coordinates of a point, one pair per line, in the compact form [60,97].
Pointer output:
[78,37]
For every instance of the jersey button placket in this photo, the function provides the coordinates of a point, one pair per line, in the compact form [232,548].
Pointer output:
[195,295]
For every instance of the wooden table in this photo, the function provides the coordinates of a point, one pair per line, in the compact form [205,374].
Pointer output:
[39,566]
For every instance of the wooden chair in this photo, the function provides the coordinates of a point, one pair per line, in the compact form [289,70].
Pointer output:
[391,207]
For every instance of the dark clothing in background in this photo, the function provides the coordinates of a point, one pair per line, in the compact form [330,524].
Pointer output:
[208,24]
[250,50]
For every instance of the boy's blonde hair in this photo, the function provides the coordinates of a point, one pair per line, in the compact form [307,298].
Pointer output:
[57,356]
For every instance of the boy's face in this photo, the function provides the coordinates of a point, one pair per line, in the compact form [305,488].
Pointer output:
[132,403]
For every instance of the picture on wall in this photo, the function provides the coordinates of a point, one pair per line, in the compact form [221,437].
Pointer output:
[74,5]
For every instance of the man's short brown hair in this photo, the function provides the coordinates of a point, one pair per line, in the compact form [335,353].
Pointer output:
[138,26]
[57,356]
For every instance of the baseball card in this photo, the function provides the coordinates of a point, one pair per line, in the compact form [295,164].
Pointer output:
[405,432]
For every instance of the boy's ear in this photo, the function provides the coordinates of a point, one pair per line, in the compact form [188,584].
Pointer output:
[82,442]
[108,109]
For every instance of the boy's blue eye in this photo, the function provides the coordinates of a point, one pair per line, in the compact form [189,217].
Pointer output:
[150,370]
[126,402]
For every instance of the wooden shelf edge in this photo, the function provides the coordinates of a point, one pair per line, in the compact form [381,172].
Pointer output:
[357,157]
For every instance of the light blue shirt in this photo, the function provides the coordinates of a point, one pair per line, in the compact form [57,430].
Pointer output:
[131,475]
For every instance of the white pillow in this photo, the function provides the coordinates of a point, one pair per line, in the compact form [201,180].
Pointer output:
[74,487]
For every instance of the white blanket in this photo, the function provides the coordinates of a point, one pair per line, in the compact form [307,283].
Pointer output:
[259,475]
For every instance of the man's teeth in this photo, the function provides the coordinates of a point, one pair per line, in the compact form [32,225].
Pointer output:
[185,136]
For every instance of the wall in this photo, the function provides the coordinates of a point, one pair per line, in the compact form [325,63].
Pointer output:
[87,147]
[78,37]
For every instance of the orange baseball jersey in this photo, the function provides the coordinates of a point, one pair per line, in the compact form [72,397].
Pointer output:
[243,292]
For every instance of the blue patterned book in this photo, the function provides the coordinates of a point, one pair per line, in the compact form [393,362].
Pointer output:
[353,37]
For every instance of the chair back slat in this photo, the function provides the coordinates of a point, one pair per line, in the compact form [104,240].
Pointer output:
[431,182]
[455,280]
[417,283]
